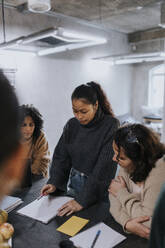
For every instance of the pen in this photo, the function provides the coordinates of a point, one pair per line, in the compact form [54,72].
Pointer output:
[40,197]
[95,239]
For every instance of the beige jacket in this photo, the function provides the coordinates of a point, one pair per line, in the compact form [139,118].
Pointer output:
[128,205]
[40,156]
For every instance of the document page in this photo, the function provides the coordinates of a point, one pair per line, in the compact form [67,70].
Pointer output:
[9,203]
[108,238]
[45,208]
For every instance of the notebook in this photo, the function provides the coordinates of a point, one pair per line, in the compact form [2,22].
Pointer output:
[45,208]
[9,203]
[108,238]
[73,225]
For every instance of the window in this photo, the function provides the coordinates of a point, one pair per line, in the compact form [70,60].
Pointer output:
[156,87]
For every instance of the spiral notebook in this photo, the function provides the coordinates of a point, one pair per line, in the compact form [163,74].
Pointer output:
[45,208]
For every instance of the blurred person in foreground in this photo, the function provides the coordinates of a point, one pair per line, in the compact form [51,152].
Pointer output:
[11,152]
[157,236]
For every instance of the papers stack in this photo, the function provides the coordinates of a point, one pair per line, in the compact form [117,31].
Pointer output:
[9,203]
[108,238]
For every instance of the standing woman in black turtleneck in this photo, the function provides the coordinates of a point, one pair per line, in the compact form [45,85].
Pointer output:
[82,162]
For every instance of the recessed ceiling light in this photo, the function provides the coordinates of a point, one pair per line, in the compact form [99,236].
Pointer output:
[39,6]
[139,7]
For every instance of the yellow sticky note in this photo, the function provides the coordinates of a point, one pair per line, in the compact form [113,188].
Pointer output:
[73,225]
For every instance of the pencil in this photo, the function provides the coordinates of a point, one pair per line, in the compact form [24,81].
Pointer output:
[95,239]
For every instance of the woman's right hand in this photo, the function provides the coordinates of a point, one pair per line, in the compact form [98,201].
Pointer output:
[47,189]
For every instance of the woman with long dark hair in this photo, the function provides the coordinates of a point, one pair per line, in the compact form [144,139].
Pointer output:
[82,162]
[134,191]
[34,141]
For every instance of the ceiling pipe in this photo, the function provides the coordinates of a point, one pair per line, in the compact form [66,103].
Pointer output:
[9,6]
[132,58]
[23,8]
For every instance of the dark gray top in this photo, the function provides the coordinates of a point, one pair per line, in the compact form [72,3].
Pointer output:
[88,149]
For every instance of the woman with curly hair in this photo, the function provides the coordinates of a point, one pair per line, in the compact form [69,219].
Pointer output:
[34,141]
[134,191]
[82,163]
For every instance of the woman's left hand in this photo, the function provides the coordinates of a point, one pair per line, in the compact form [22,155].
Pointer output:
[116,185]
[136,226]
[69,208]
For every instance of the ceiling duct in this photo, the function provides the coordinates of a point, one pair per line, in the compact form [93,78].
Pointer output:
[52,37]
[52,40]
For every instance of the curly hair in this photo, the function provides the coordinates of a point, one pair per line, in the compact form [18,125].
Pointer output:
[142,146]
[30,110]
[93,92]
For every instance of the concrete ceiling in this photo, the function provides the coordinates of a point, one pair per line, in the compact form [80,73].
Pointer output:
[126,16]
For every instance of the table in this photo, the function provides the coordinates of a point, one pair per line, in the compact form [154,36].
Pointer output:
[30,233]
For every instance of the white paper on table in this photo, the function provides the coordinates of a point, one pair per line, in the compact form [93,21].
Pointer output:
[45,208]
[10,242]
[108,238]
[9,203]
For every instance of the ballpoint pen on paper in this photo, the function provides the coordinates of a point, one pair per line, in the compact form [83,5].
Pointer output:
[40,197]
[95,239]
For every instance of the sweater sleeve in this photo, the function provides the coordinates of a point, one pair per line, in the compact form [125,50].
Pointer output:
[136,207]
[40,156]
[97,183]
[116,209]
[61,164]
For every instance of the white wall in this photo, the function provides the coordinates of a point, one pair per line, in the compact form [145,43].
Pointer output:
[47,82]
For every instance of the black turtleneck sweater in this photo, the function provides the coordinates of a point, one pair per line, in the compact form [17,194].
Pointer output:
[88,149]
